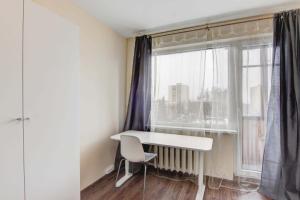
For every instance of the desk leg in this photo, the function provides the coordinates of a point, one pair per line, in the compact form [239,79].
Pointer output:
[126,176]
[201,185]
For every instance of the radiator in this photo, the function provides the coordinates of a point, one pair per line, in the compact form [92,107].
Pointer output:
[219,162]
[179,160]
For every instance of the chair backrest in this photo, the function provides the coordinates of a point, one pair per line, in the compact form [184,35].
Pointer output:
[132,148]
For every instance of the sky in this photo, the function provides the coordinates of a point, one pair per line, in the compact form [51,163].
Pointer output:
[200,70]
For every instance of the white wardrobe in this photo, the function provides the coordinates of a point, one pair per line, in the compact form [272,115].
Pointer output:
[39,104]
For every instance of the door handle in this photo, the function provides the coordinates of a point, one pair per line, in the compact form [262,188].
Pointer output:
[22,119]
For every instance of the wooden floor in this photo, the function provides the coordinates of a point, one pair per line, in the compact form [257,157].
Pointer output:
[158,189]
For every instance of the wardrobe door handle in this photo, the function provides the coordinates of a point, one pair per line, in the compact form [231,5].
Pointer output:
[22,119]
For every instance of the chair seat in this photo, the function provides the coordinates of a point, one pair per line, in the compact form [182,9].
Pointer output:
[149,156]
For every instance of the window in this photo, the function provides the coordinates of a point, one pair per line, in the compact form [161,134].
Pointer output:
[191,89]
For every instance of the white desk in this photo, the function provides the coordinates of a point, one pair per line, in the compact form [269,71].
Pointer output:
[194,143]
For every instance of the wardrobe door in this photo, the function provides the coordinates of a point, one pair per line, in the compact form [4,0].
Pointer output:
[51,105]
[11,132]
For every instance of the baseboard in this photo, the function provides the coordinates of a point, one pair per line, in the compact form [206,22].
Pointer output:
[109,169]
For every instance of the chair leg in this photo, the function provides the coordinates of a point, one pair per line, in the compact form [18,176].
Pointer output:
[145,174]
[119,169]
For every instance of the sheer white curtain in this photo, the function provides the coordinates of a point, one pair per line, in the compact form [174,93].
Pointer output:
[195,93]
[214,83]
[193,90]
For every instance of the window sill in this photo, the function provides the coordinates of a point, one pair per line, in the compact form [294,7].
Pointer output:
[206,130]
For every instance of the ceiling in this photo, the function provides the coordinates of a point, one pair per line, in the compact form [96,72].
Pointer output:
[128,17]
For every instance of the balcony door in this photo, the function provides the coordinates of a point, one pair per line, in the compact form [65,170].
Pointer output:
[256,69]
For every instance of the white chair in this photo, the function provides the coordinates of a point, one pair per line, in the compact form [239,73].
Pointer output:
[132,150]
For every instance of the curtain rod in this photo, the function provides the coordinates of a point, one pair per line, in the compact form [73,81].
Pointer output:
[213,25]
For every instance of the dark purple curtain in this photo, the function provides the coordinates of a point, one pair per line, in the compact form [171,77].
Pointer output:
[281,165]
[139,105]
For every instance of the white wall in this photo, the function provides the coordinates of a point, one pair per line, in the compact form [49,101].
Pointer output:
[130,54]
[102,88]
